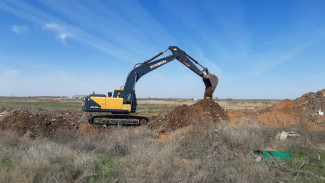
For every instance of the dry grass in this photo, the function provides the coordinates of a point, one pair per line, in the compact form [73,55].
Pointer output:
[218,154]
[39,160]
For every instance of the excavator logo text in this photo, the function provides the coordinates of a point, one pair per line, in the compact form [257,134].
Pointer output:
[158,64]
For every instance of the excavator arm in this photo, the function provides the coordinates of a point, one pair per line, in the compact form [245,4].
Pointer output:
[145,67]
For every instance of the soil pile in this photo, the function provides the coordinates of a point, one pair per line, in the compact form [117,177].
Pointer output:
[203,112]
[279,115]
[42,122]
[302,112]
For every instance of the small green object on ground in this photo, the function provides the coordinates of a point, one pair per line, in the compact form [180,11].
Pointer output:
[270,155]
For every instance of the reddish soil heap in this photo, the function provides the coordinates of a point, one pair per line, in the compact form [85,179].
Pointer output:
[302,112]
[200,113]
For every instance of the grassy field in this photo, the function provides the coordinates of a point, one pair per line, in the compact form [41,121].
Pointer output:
[40,102]
[145,105]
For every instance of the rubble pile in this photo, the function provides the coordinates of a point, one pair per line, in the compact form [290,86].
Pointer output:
[310,106]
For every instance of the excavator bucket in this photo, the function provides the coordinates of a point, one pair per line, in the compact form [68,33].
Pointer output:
[211,82]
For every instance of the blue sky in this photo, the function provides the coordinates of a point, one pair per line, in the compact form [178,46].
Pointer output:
[258,49]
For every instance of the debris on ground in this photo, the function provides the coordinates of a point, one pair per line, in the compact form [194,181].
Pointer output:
[3,113]
[320,112]
[284,135]
[266,155]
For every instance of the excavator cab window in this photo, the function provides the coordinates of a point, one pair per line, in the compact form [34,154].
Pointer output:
[117,93]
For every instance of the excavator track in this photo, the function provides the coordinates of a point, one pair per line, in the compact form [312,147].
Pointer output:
[118,119]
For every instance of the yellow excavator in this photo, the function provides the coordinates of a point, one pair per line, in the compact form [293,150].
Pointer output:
[123,101]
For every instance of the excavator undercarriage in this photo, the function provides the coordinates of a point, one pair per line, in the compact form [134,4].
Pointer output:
[118,119]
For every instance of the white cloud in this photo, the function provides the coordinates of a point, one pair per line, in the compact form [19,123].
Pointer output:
[54,26]
[61,30]
[63,36]
[19,28]
[11,73]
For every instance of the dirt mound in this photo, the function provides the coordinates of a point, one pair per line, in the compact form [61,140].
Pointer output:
[202,112]
[42,122]
[286,106]
[303,112]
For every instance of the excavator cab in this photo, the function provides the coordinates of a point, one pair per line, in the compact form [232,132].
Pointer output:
[118,92]
[130,99]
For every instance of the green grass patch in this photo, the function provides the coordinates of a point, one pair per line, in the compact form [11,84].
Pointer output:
[308,161]
[105,168]
[6,164]
[298,153]
[188,156]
